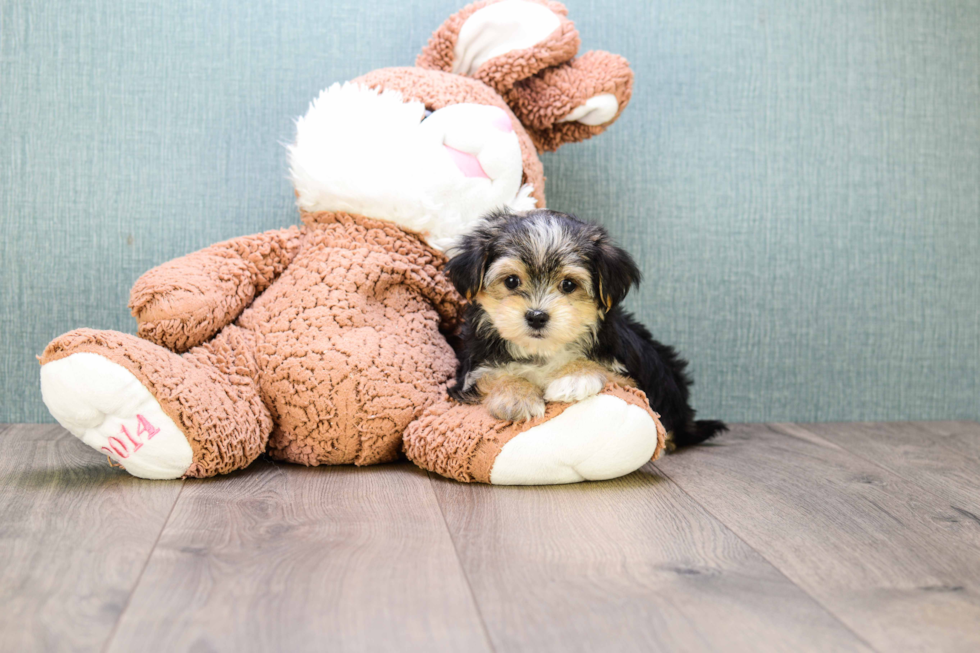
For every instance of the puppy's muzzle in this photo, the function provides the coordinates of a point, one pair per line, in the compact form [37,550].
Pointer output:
[536,319]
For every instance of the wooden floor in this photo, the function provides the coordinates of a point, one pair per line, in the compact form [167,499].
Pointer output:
[778,537]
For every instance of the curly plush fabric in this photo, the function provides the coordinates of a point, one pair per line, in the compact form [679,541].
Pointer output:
[341,352]
[544,83]
[184,302]
[348,341]
[501,72]
[542,101]
[211,392]
[462,442]
[323,344]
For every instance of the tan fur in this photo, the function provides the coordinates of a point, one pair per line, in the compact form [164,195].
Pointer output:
[573,316]
[510,397]
[583,367]
[501,269]
[557,356]
[604,298]
[529,276]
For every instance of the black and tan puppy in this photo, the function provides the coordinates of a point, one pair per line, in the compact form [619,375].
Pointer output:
[544,323]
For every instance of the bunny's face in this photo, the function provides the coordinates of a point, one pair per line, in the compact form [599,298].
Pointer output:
[426,149]
[435,147]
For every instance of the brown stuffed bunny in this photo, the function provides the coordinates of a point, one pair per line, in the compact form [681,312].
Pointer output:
[325,344]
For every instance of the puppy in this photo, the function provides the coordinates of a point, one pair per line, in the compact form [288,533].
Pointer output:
[544,323]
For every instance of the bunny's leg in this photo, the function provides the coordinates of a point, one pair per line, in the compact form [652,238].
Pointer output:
[606,436]
[158,414]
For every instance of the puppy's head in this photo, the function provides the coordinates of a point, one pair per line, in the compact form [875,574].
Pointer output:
[545,280]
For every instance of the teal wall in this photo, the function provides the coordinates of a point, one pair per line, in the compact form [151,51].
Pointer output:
[799,181]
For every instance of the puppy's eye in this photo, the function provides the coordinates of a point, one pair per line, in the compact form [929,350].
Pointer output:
[568,286]
[512,282]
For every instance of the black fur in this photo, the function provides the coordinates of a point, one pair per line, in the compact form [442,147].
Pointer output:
[476,350]
[658,371]
[656,368]
[613,270]
[475,252]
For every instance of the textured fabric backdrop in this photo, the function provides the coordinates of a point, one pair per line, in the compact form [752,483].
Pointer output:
[800,184]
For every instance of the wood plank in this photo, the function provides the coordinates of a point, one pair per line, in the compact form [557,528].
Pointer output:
[74,536]
[963,437]
[282,557]
[627,565]
[938,462]
[887,558]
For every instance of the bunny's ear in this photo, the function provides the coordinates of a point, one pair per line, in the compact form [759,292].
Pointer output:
[502,41]
[572,101]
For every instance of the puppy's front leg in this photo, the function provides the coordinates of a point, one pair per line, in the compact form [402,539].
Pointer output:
[510,397]
[577,381]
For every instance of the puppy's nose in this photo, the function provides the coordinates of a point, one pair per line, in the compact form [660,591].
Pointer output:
[536,319]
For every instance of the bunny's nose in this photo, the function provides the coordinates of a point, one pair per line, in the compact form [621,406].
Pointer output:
[502,121]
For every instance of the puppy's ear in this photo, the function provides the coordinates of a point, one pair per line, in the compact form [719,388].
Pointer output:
[469,258]
[614,270]
[467,266]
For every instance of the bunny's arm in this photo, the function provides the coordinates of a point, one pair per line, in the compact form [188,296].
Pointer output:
[429,278]
[184,302]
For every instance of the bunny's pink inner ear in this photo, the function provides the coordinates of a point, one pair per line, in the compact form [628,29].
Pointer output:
[572,101]
[597,110]
[498,29]
[502,41]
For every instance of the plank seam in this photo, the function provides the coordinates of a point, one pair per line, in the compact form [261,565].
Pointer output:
[459,562]
[146,563]
[911,481]
[771,563]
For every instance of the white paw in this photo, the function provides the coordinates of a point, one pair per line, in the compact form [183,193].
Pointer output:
[574,387]
[108,409]
[600,438]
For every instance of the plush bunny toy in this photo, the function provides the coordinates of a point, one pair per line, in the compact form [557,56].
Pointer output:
[326,344]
